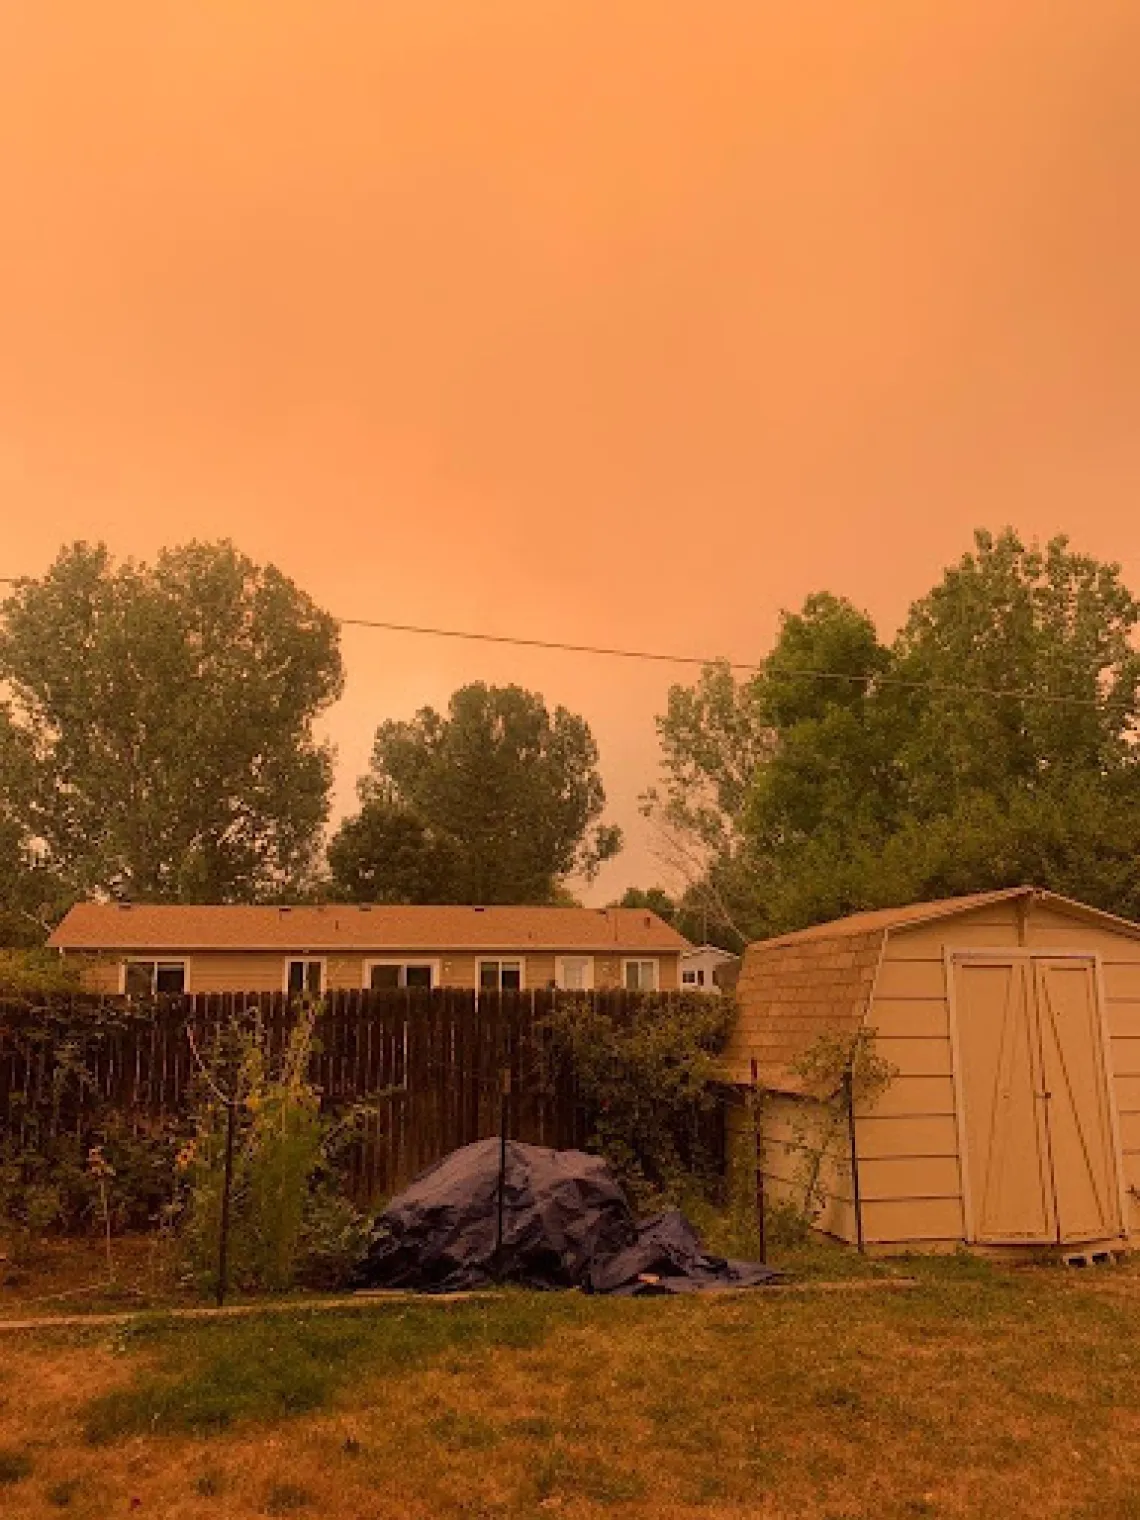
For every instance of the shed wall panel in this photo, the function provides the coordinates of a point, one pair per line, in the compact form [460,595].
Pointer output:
[1126,1056]
[912,978]
[913,1219]
[916,1057]
[920,1096]
[1123,1018]
[913,1135]
[910,1017]
[1121,978]
[910,1177]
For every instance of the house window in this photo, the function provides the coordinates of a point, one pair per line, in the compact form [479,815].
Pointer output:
[305,978]
[693,978]
[382,975]
[500,976]
[574,972]
[154,978]
[640,976]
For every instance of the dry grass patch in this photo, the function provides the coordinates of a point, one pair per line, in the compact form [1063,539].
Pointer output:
[983,1391]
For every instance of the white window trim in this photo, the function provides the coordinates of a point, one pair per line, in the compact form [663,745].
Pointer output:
[499,960]
[402,961]
[560,977]
[155,961]
[642,960]
[321,960]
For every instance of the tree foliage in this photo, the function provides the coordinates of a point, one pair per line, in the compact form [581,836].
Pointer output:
[159,739]
[497,801]
[993,743]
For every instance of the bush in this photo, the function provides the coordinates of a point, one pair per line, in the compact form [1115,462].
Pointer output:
[647,1071]
[288,1225]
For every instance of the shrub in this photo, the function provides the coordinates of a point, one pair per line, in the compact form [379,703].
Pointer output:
[287,1223]
[647,1070]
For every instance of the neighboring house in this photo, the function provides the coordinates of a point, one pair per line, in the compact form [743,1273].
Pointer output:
[141,949]
[700,967]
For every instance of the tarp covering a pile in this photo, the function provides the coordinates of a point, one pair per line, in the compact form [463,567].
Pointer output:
[566,1224]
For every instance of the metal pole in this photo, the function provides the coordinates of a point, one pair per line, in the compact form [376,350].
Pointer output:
[849,1100]
[759,1137]
[227,1186]
[504,1118]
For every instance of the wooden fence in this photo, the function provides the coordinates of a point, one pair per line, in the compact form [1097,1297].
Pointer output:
[427,1065]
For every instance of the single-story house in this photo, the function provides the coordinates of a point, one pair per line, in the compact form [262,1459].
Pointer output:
[146,948]
[1010,1025]
[704,966]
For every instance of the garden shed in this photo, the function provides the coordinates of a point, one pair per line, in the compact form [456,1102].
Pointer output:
[1009,1026]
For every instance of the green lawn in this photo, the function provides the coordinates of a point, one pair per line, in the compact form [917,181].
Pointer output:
[980,1392]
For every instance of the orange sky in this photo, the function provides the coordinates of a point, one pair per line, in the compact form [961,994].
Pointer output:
[628,321]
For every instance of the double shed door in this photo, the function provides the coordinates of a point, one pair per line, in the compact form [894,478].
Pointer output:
[1038,1132]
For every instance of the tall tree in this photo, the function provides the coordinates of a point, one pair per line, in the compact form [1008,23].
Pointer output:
[497,801]
[994,743]
[749,764]
[161,738]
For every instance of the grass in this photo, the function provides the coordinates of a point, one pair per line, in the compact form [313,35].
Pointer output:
[984,1390]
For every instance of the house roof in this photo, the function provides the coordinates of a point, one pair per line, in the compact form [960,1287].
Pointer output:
[817,981]
[713,950]
[339,926]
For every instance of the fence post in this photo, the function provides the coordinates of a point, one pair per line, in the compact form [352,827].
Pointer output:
[849,1103]
[504,1116]
[759,1140]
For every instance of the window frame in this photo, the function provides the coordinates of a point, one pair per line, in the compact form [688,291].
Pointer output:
[403,962]
[500,961]
[560,976]
[306,960]
[641,960]
[154,961]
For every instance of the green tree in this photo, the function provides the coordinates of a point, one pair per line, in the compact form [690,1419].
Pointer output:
[656,899]
[160,739]
[993,743]
[497,801]
[387,854]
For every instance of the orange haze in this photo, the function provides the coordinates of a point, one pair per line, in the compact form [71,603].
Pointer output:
[628,321]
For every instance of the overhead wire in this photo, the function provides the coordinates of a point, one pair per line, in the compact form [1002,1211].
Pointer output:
[945,688]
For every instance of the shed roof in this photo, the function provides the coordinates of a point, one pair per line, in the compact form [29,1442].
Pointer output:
[820,980]
[341,926]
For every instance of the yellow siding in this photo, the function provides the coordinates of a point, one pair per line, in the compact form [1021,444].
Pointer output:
[255,971]
[883,1136]
[903,1178]
[910,1017]
[917,1096]
[916,1056]
[911,979]
[897,1221]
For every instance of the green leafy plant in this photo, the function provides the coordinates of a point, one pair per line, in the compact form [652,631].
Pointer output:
[288,1224]
[840,1072]
[647,1072]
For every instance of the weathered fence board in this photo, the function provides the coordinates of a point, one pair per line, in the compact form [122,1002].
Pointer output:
[425,1064]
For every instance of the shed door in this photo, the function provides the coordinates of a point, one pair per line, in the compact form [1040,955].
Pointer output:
[1038,1132]
[1081,1142]
[1007,1148]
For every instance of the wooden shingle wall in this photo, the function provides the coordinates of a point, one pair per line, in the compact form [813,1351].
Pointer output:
[790,994]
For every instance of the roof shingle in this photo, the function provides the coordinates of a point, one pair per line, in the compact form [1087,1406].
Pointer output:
[342,926]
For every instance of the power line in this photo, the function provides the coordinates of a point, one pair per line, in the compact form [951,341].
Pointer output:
[945,688]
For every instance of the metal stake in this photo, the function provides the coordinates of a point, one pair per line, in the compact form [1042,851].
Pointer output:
[504,1099]
[227,1186]
[756,1120]
[849,1100]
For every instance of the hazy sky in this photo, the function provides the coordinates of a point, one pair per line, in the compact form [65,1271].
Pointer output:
[627,322]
